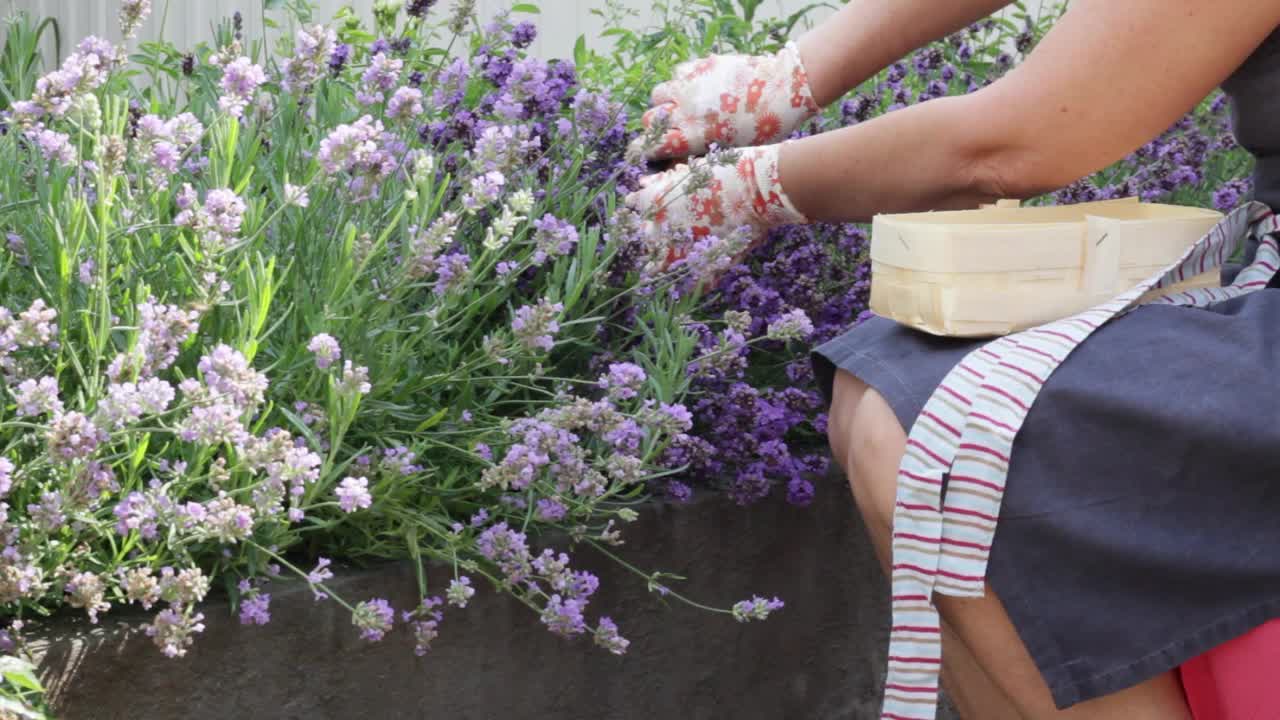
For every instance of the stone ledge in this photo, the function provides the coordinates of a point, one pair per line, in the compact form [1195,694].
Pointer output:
[821,658]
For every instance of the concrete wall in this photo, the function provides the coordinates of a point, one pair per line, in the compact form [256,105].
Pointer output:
[820,658]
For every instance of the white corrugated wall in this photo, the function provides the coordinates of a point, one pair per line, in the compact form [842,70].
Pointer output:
[560,22]
[186,22]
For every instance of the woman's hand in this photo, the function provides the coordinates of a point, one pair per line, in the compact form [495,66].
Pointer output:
[729,100]
[721,195]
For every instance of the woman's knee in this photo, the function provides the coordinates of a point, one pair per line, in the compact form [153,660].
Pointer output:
[867,441]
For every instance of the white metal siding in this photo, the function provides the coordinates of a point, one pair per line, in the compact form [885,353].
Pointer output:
[189,21]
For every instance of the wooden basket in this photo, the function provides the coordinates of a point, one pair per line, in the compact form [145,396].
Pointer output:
[1004,268]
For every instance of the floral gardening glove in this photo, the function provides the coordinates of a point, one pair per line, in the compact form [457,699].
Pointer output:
[730,100]
[734,196]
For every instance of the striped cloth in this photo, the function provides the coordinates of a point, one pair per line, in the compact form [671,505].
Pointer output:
[964,437]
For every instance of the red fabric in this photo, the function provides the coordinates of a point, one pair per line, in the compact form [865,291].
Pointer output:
[1238,680]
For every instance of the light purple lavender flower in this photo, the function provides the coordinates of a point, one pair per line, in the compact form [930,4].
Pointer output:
[564,616]
[240,80]
[550,510]
[374,618]
[353,494]
[72,436]
[318,576]
[132,15]
[229,377]
[225,520]
[506,548]
[81,73]
[87,590]
[140,586]
[326,349]
[174,632]
[162,329]
[607,637]
[365,151]
[6,476]
[255,609]
[127,402]
[382,74]
[313,47]
[452,272]
[296,195]
[35,326]
[213,424]
[217,222]
[143,512]
[405,104]
[48,514]
[553,238]
[355,380]
[485,189]
[460,591]
[87,269]
[38,397]
[535,326]
[54,146]
[184,587]
[425,623]
[792,325]
[18,246]
[623,380]
[757,608]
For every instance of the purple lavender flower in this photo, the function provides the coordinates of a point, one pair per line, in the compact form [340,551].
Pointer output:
[255,609]
[757,608]
[564,616]
[338,58]
[523,34]
[418,8]
[550,510]
[318,576]
[607,637]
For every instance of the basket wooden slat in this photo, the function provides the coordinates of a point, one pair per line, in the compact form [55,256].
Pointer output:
[998,270]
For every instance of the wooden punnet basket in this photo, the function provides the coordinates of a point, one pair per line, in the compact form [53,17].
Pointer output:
[1004,268]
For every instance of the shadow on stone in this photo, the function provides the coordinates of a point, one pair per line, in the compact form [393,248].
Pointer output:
[821,658]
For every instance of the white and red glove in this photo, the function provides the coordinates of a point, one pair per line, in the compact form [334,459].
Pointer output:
[712,197]
[729,100]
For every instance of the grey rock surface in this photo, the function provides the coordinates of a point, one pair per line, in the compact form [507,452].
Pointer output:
[821,658]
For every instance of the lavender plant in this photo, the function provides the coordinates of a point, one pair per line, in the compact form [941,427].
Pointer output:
[367,294]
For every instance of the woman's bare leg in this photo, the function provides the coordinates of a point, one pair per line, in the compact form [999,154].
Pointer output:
[991,673]
[966,683]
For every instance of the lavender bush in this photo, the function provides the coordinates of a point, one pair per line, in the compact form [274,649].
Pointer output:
[367,293]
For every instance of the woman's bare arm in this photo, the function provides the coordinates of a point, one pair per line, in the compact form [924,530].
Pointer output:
[1106,79]
[866,35]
